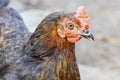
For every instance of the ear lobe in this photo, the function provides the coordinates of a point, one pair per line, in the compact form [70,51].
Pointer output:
[61,33]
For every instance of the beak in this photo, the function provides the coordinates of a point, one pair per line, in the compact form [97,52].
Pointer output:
[87,35]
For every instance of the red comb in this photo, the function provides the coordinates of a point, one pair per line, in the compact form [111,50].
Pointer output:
[82,16]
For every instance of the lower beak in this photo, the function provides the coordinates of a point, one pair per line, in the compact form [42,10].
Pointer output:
[88,35]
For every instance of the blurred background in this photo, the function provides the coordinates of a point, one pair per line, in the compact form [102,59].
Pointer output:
[98,60]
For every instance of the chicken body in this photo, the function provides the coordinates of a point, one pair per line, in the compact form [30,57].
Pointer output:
[47,56]
[13,36]
[50,52]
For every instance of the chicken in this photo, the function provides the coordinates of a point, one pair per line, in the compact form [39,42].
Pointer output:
[13,35]
[50,52]
[4,3]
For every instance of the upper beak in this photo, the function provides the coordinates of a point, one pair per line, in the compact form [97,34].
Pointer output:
[88,35]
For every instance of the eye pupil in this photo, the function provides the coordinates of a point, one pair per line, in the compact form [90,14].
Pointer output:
[70,26]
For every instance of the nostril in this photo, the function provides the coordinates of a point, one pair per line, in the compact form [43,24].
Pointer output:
[85,31]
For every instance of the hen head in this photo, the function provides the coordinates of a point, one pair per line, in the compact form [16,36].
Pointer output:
[75,27]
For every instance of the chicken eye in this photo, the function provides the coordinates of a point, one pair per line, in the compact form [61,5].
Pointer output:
[70,26]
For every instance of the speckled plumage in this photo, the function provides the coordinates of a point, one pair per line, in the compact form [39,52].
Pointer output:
[13,35]
[4,3]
